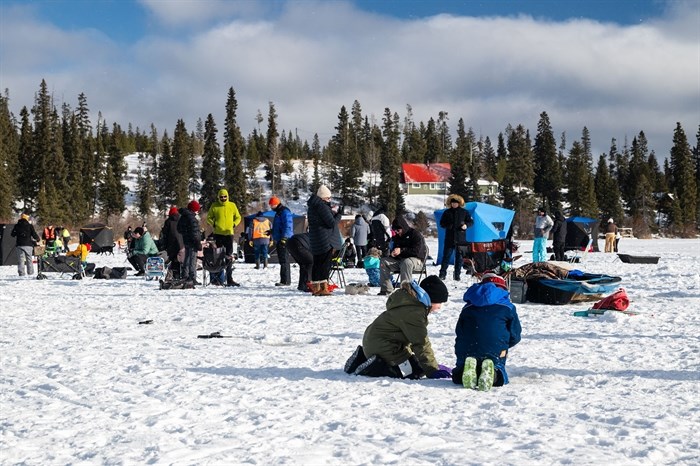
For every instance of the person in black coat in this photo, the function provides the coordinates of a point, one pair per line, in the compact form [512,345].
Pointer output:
[324,238]
[188,227]
[455,220]
[559,236]
[407,255]
[299,248]
[172,242]
[26,239]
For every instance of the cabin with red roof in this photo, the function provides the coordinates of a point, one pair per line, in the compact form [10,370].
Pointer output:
[421,178]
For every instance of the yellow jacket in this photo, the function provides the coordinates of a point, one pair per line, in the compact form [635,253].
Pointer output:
[223,216]
[81,251]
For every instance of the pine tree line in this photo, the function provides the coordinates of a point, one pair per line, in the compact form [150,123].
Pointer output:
[62,169]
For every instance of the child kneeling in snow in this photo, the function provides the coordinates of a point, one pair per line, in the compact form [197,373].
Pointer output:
[371,265]
[396,344]
[487,327]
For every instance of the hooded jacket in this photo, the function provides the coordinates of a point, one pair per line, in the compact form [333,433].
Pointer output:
[487,326]
[172,239]
[223,216]
[411,241]
[25,233]
[452,220]
[188,227]
[399,331]
[359,231]
[559,228]
[323,226]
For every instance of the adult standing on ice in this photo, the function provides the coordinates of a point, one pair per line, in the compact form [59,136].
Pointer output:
[559,236]
[543,223]
[26,239]
[455,220]
[188,227]
[223,217]
[324,238]
[282,230]
[396,344]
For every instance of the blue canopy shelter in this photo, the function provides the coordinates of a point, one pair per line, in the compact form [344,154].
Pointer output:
[490,223]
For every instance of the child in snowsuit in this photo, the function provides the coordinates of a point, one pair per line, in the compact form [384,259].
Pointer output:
[487,327]
[371,265]
[396,344]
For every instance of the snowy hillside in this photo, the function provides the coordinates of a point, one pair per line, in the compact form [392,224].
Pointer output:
[82,382]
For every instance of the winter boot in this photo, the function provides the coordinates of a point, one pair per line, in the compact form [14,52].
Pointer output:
[354,361]
[265,264]
[469,375]
[487,375]
[257,264]
[315,287]
[323,290]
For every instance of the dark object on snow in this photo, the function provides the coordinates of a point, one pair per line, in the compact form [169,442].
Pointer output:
[629,259]
[579,231]
[146,322]
[107,273]
[181,284]
[584,287]
[99,236]
[214,335]
[518,291]
[8,256]
[59,264]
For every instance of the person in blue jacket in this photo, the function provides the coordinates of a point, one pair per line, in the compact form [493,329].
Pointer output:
[487,328]
[282,230]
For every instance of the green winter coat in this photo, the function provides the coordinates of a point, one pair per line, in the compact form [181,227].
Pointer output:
[400,330]
[145,245]
[223,216]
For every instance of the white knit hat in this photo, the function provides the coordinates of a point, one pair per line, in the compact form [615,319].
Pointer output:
[323,192]
[610,220]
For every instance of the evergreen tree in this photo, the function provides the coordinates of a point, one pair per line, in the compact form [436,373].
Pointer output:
[28,179]
[112,191]
[414,147]
[581,195]
[490,161]
[345,179]
[234,150]
[475,164]
[42,148]
[271,152]
[501,159]
[146,191]
[685,180]
[8,159]
[164,176]
[84,163]
[459,164]
[607,192]
[548,181]
[211,163]
[180,165]
[316,158]
[390,196]
[432,143]
[444,138]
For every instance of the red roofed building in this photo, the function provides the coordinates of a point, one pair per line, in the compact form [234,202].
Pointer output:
[420,178]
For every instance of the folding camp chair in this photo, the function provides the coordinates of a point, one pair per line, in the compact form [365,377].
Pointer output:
[214,263]
[338,267]
[576,258]
[422,272]
[154,268]
[479,258]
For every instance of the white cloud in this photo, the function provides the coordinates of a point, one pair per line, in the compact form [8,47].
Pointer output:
[314,57]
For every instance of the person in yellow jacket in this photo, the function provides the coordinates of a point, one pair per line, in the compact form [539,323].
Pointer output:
[223,217]
[80,251]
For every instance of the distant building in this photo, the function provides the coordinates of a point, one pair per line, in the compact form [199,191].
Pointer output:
[433,178]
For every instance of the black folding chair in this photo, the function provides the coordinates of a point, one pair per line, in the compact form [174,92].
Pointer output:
[338,267]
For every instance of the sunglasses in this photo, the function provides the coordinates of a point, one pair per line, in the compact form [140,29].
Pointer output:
[223,198]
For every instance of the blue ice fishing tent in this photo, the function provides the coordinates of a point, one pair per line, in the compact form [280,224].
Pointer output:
[490,223]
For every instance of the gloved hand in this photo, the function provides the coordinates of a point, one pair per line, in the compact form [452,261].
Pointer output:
[250,243]
[283,242]
[443,372]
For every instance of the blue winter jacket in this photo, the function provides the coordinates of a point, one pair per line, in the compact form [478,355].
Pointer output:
[488,325]
[282,227]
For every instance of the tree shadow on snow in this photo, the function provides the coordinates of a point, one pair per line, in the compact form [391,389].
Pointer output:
[294,374]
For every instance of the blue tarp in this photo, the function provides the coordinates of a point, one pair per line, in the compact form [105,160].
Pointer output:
[490,223]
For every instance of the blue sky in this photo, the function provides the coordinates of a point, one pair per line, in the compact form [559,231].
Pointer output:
[617,67]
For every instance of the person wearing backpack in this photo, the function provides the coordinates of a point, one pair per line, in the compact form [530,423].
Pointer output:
[396,344]
[487,328]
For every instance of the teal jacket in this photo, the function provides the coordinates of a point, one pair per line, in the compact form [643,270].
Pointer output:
[145,245]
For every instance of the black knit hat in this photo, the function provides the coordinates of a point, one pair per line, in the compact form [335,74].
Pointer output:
[435,288]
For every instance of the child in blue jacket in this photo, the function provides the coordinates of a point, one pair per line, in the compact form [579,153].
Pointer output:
[371,266]
[487,328]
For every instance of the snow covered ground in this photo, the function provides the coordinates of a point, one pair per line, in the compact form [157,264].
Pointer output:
[82,382]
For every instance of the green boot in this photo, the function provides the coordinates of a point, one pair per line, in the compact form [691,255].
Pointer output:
[488,372]
[469,374]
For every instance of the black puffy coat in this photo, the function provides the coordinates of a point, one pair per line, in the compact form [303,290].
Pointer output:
[323,226]
[411,241]
[171,238]
[188,227]
[452,221]
[25,233]
[559,228]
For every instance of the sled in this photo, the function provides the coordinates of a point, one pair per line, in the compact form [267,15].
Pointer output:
[630,259]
